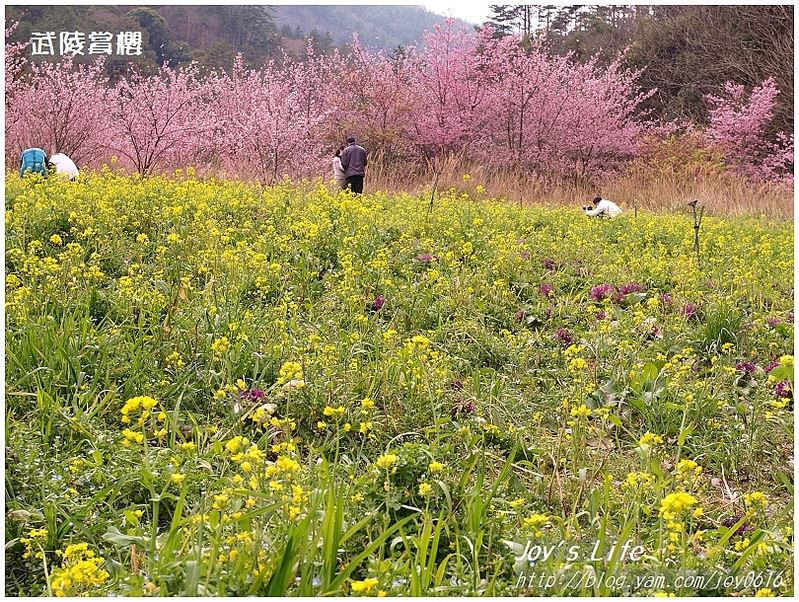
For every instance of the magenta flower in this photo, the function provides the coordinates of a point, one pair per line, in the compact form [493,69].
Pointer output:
[378,303]
[783,389]
[747,367]
[463,407]
[545,289]
[520,315]
[626,289]
[666,298]
[770,366]
[600,292]
[564,336]
[252,395]
[688,310]
[549,264]
[631,287]
[600,315]
[426,257]
[772,321]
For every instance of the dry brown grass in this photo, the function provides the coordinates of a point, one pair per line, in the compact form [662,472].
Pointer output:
[720,193]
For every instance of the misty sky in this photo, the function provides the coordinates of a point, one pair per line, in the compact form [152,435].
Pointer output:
[474,12]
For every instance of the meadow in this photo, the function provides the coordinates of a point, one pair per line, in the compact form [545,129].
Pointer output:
[218,388]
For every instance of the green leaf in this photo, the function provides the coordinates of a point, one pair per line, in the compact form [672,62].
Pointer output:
[634,298]
[347,570]
[782,373]
[281,578]
[637,403]
[684,434]
[650,372]
[192,577]
[121,540]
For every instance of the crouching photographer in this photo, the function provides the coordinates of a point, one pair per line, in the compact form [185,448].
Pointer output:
[602,208]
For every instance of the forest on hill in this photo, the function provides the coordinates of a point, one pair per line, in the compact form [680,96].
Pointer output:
[214,34]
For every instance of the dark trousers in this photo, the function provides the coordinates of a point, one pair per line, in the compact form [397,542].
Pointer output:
[355,183]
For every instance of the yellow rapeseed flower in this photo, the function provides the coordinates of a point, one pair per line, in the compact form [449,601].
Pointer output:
[386,460]
[365,586]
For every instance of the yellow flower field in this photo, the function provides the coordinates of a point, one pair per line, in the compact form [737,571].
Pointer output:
[214,388]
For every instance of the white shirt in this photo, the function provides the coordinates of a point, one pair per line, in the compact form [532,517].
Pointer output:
[64,166]
[338,170]
[605,207]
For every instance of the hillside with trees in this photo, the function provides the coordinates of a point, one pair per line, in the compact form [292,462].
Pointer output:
[214,34]
[684,52]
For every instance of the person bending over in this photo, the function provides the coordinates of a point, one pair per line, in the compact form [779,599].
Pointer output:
[602,208]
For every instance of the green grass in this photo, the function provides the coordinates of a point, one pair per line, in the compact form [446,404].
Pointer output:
[512,414]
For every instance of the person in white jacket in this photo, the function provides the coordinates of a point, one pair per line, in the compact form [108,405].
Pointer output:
[64,166]
[602,207]
[339,175]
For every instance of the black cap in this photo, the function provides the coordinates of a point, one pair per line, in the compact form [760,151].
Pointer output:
[350,139]
[597,199]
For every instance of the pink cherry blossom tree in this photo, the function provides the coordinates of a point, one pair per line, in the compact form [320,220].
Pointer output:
[372,97]
[61,107]
[268,121]
[160,120]
[552,115]
[449,90]
[15,62]
[462,96]
[738,125]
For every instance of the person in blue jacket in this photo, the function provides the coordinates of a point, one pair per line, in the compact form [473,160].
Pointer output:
[33,160]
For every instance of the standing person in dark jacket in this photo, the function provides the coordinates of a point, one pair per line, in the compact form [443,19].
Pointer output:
[353,160]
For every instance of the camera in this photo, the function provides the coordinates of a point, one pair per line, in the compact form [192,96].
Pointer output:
[587,208]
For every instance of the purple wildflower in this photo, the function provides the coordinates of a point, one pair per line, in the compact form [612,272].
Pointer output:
[770,366]
[626,289]
[549,264]
[564,336]
[747,367]
[545,289]
[689,310]
[548,311]
[426,257]
[600,315]
[600,292]
[772,321]
[463,407]
[456,384]
[666,298]
[525,255]
[520,315]
[252,395]
[790,317]
[783,390]
[378,303]
[631,287]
